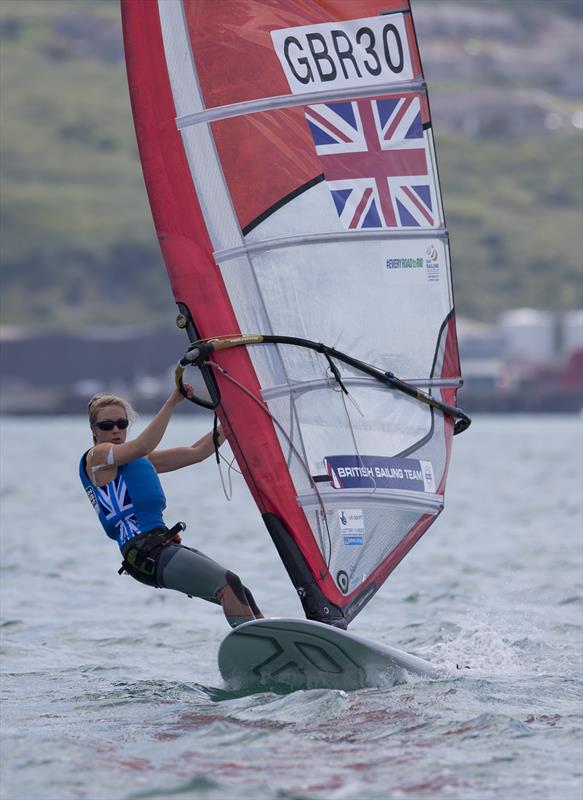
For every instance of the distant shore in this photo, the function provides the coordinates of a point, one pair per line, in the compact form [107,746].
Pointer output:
[46,403]
[56,373]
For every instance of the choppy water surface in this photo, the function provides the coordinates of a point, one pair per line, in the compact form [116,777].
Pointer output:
[111,690]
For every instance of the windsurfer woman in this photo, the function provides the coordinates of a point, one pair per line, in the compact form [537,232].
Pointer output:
[120,478]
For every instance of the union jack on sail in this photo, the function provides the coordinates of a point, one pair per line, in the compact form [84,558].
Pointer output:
[375,161]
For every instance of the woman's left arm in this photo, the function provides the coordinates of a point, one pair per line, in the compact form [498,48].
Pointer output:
[178,457]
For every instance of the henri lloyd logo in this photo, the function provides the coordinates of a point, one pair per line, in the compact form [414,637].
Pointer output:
[350,53]
[92,496]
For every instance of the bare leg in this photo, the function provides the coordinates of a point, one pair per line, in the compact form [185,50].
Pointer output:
[235,611]
[237,602]
[253,604]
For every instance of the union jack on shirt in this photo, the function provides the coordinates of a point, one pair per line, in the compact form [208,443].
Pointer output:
[375,159]
[117,507]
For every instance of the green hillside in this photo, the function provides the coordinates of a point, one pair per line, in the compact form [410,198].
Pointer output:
[514,214]
[78,243]
[77,240]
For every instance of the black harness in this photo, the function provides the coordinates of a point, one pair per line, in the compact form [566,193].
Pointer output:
[140,554]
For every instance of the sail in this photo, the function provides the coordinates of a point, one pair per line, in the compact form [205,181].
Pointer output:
[288,155]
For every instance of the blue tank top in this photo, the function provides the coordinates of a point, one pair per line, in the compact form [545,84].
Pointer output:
[133,502]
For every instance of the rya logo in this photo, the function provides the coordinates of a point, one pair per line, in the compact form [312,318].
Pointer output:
[431,253]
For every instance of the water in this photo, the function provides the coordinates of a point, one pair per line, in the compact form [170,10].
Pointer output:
[111,690]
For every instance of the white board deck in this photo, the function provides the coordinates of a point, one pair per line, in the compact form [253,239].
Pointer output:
[301,654]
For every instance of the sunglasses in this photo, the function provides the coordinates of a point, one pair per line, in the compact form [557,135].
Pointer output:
[110,424]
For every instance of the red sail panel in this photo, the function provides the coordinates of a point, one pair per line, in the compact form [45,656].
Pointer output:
[232,46]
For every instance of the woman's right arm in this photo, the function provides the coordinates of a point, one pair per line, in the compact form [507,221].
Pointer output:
[108,454]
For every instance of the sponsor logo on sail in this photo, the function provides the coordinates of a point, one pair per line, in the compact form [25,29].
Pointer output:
[404,263]
[432,263]
[428,477]
[351,525]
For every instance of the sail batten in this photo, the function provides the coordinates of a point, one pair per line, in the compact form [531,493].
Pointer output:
[413,501]
[289,159]
[271,392]
[250,248]
[216,113]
